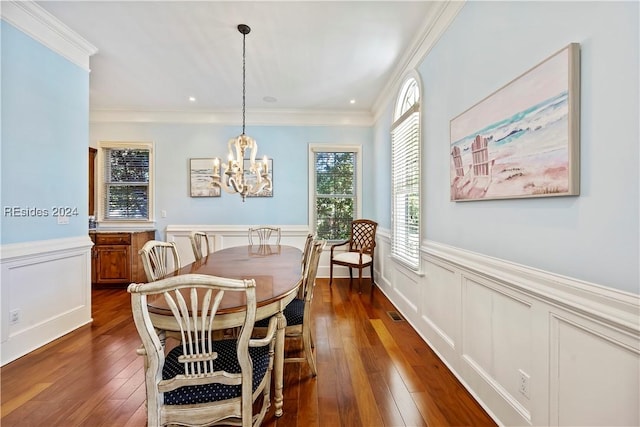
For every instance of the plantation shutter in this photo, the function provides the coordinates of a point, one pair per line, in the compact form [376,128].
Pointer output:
[405,172]
[126,181]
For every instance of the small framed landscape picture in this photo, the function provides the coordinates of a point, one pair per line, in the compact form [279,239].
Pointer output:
[201,178]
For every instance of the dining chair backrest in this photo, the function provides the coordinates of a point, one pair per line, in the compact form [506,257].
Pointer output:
[202,380]
[159,259]
[264,235]
[199,244]
[363,236]
[309,278]
[306,251]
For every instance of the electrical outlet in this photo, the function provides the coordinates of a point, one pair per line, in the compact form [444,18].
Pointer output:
[62,220]
[524,383]
[14,317]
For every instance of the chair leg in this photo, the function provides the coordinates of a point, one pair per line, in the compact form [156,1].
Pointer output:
[330,273]
[373,282]
[360,280]
[308,351]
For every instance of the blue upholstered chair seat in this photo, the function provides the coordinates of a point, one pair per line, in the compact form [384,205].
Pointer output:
[227,360]
[293,312]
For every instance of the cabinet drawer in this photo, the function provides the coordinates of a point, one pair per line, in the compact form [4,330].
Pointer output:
[113,238]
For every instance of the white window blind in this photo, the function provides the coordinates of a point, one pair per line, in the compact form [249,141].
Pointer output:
[126,183]
[405,171]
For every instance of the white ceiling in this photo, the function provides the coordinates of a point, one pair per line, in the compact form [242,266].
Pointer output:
[309,56]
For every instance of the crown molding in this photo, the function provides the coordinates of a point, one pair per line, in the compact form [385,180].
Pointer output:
[227,117]
[39,24]
[437,22]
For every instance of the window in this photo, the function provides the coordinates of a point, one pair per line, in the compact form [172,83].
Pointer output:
[334,186]
[405,175]
[126,180]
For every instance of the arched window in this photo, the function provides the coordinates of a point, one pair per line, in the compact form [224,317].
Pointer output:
[405,175]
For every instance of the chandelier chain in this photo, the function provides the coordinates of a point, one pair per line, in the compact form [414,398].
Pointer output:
[244,79]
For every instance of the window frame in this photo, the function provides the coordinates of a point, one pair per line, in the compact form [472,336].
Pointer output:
[402,113]
[333,148]
[101,188]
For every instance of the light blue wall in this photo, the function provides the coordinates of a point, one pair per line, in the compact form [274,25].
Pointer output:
[593,237]
[175,144]
[45,128]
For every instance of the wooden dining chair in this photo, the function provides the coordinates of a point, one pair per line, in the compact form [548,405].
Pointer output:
[359,251]
[264,235]
[203,381]
[159,259]
[298,311]
[199,244]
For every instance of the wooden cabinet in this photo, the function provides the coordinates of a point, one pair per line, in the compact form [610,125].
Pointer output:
[115,259]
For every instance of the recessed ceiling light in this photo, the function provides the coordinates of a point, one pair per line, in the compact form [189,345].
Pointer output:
[353,101]
[192,99]
[269,99]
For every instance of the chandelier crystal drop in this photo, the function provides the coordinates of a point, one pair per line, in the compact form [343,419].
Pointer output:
[234,177]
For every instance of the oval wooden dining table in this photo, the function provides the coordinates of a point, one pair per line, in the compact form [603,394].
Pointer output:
[277,270]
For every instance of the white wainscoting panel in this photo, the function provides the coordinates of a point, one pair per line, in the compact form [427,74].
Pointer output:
[48,284]
[491,321]
[440,316]
[603,367]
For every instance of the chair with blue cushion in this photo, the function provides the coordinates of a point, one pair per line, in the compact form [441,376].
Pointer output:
[298,311]
[203,381]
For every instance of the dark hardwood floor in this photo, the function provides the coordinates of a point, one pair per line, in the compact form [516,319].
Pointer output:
[372,371]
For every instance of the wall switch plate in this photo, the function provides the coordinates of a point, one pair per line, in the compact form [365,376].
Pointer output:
[163,213]
[63,220]
[14,317]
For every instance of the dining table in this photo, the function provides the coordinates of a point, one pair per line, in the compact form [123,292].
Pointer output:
[277,270]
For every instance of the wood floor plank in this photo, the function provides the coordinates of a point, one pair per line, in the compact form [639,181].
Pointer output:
[10,405]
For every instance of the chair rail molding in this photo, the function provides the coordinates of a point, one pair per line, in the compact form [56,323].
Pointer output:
[494,322]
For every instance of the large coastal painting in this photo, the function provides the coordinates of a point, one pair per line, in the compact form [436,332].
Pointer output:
[522,140]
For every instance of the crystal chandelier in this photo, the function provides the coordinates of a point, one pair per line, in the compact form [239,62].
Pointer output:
[235,178]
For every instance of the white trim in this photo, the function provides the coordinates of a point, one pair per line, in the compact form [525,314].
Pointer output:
[39,24]
[138,224]
[228,117]
[11,251]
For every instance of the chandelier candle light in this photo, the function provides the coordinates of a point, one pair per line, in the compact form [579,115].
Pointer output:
[235,179]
